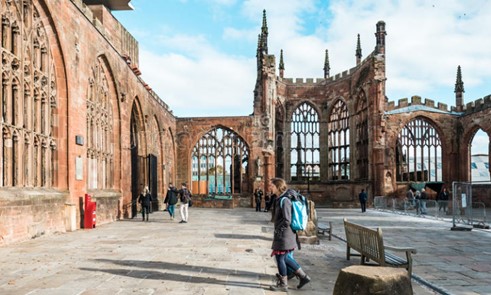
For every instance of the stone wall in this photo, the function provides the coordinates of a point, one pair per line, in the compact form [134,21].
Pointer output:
[83,42]
[31,214]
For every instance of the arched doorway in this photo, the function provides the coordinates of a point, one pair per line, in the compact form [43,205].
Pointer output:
[137,161]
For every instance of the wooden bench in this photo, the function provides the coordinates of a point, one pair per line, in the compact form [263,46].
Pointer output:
[322,228]
[369,244]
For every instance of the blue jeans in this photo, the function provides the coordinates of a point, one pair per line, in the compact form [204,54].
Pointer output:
[170,209]
[286,263]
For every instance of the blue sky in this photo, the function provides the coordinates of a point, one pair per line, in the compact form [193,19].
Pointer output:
[199,55]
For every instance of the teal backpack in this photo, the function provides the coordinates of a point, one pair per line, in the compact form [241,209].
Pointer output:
[300,212]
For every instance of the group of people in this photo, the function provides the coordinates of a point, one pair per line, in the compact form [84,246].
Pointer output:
[418,199]
[171,198]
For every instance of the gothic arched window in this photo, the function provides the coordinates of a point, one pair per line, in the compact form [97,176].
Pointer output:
[219,160]
[100,154]
[419,152]
[339,142]
[479,157]
[25,86]
[304,143]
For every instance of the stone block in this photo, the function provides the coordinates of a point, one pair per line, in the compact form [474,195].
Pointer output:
[368,280]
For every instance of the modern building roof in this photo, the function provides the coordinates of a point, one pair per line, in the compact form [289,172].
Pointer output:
[480,168]
[112,4]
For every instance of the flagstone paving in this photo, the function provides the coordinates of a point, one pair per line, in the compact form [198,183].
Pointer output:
[227,251]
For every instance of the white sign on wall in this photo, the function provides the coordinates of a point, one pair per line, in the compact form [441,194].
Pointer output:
[79,168]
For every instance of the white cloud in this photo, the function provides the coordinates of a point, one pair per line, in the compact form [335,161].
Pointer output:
[480,143]
[425,43]
[205,86]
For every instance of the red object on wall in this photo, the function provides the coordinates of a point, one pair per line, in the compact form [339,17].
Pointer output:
[89,213]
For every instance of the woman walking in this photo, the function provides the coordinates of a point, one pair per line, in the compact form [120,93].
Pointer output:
[285,239]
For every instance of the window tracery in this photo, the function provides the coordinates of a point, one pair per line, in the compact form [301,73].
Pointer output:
[100,154]
[220,158]
[26,122]
[304,143]
[339,142]
[419,152]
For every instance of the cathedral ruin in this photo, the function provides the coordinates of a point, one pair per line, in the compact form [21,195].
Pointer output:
[77,118]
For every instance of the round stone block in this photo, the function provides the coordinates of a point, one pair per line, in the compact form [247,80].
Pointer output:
[371,280]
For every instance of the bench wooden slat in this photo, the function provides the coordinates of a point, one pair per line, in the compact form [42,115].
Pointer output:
[370,244]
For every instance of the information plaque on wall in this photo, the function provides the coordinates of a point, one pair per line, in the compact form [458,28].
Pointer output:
[79,168]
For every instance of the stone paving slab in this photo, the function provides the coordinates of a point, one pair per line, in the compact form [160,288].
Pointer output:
[227,251]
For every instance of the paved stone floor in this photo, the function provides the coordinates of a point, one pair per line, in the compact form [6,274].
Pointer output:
[223,251]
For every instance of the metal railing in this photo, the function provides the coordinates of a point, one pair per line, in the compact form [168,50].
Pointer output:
[435,209]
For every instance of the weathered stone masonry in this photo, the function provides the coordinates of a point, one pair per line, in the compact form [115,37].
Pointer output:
[77,118]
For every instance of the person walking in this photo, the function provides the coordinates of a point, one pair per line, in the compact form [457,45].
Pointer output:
[424,197]
[443,200]
[171,199]
[285,240]
[267,202]
[258,196]
[185,195]
[363,200]
[418,202]
[145,199]
[410,197]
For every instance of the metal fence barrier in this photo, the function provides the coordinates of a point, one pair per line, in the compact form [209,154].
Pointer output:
[472,215]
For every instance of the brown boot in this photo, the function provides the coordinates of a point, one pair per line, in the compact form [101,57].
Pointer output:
[304,278]
[290,276]
[281,284]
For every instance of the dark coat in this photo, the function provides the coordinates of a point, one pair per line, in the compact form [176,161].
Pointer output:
[284,238]
[171,196]
[363,197]
[259,195]
[185,195]
[145,199]
[443,196]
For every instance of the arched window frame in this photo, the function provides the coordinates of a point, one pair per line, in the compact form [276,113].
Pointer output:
[100,155]
[305,143]
[419,152]
[26,162]
[339,142]
[220,157]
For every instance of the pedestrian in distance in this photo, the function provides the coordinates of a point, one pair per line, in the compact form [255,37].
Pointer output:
[418,202]
[424,197]
[363,200]
[185,198]
[145,199]
[258,197]
[171,200]
[267,202]
[443,200]
[285,240]
[410,197]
